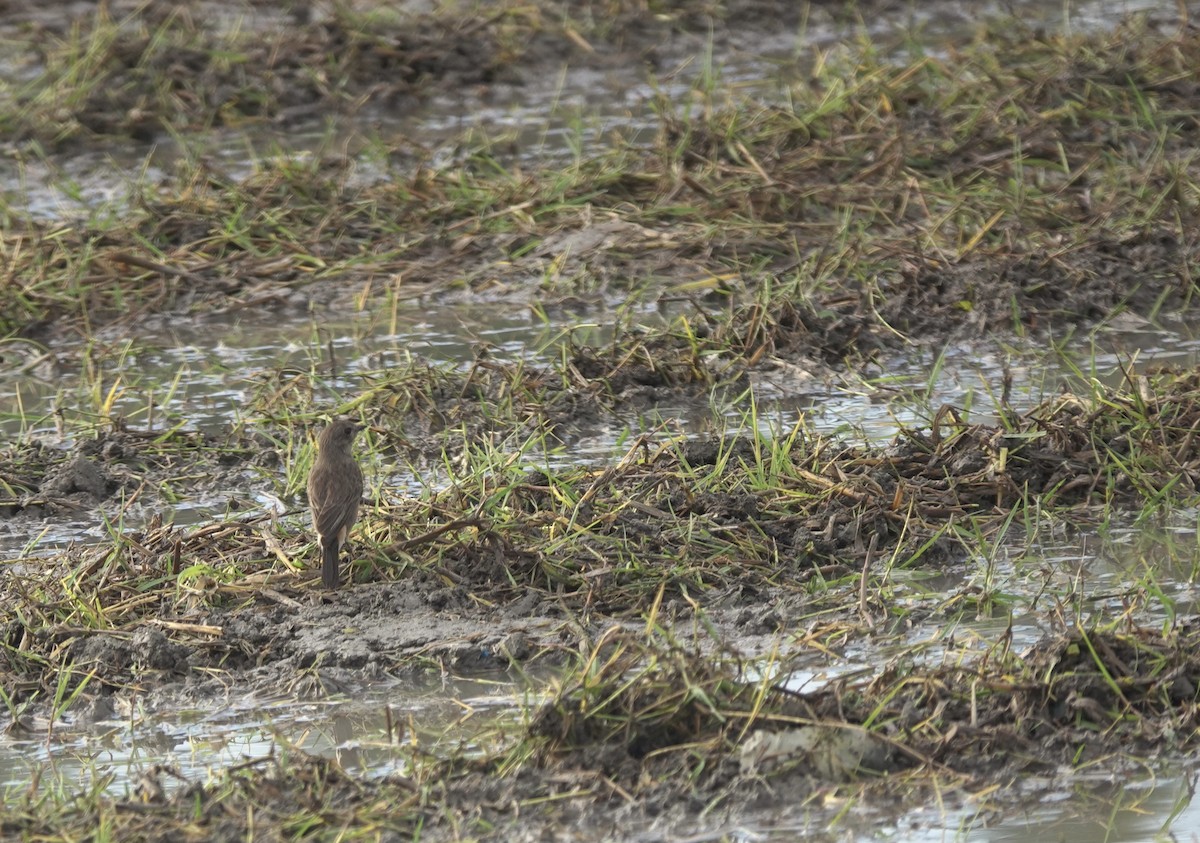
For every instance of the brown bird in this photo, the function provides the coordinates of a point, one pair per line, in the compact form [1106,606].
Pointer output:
[335,487]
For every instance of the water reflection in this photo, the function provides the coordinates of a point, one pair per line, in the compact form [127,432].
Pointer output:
[1131,805]
[373,732]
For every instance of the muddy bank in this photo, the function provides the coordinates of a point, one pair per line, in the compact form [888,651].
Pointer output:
[998,189]
[752,534]
[661,739]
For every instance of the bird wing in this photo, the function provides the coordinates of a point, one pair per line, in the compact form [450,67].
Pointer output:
[334,504]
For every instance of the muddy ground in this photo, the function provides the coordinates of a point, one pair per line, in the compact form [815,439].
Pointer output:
[653,583]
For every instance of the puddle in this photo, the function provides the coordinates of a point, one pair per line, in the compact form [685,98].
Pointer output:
[373,733]
[1004,601]
[1075,809]
[1083,807]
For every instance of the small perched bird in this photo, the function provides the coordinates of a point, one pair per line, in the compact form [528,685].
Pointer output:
[335,487]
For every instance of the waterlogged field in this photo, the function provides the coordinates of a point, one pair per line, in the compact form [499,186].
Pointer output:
[779,421]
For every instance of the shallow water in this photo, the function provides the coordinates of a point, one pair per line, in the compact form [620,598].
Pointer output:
[205,374]
[1081,808]
[371,732]
[374,732]
[545,118]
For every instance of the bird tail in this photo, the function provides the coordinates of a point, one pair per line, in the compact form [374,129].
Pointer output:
[329,564]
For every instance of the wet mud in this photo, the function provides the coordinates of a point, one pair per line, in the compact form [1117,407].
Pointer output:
[653,585]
